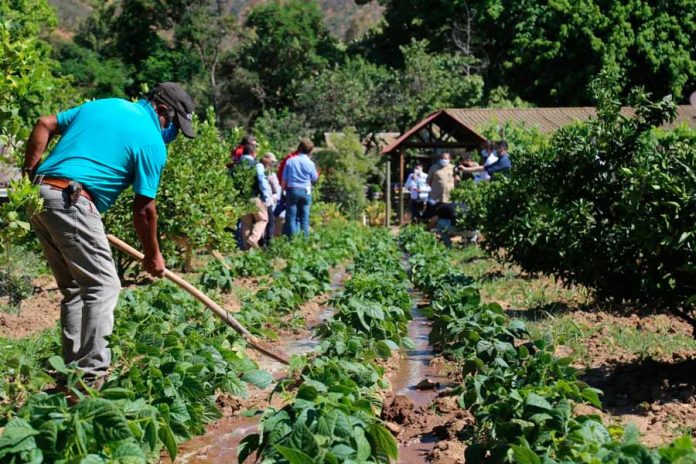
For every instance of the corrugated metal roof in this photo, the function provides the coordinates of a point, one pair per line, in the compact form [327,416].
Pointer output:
[547,120]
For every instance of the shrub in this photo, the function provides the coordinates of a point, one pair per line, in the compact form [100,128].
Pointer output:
[609,203]
[345,171]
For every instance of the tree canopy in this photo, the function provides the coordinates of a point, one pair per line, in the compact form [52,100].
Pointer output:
[279,64]
[549,52]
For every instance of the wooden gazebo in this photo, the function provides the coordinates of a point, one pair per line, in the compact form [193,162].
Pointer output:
[457,128]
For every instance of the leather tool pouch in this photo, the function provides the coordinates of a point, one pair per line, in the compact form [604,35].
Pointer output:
[74,190]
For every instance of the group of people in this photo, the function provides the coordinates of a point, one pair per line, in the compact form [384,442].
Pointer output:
[282,193]
[436,186]
[430,194]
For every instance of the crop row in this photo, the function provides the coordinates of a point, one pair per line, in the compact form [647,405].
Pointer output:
[522,397]
[296,271]
[334,414]
[171,360]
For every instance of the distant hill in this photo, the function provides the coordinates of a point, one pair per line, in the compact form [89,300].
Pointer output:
[343,18]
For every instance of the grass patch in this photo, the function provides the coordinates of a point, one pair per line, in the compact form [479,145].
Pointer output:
[551,309]
[566,331]
[613,337]
[512,289]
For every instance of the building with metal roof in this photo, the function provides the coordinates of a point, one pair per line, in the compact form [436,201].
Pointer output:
[460,129]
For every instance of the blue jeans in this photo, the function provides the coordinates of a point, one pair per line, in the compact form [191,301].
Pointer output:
[443,227]
[298,202]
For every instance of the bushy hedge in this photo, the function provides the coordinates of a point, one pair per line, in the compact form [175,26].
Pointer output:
[609,203]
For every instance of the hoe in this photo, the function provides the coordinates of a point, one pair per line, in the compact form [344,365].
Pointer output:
[219,311]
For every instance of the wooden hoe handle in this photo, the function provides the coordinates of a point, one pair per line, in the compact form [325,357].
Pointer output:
[205,299]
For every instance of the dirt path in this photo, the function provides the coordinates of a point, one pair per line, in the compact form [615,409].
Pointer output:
[37,313]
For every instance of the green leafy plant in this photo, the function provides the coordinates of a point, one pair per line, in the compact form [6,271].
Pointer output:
[520,394]
[607,204]
[23,201]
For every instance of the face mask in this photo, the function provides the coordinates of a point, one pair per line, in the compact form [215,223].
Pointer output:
[169,133]
[444,162]
[418,172]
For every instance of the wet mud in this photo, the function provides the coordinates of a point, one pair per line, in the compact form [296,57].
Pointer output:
[222,438]
[417,410]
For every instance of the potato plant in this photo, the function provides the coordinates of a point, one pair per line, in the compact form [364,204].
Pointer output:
[334,415]
[171,361]
[520,394]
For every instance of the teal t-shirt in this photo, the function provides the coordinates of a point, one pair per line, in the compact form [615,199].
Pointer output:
[107,145]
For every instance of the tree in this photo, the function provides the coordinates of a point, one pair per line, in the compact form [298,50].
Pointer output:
[286,44]
[206,28]
[345,172]
[548,52]
[432,81]
[608,203]
[29,86]
[374,98]
[283,129]
[93,75]
[355,93]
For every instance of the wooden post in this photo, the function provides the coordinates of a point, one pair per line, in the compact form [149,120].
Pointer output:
[387,193]
[401,187]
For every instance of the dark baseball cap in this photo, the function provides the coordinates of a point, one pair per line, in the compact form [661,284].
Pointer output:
[174,96]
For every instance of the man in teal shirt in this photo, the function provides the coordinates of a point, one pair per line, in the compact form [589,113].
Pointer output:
[104,147]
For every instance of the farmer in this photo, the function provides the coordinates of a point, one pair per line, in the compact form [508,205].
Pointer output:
[105,146]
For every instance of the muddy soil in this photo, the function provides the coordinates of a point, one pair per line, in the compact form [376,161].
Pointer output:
[420,410]
[658,396]
[220,442]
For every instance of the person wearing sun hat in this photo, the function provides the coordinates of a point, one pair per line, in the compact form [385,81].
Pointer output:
[105,146]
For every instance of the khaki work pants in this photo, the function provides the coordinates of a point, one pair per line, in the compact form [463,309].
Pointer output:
[78,253]
[254,224]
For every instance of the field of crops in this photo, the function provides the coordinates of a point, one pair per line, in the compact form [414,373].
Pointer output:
[177,370]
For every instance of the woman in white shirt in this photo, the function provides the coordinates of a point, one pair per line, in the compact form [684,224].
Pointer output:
[417,185]
[269,161]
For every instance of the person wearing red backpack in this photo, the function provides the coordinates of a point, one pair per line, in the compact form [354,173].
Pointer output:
[236,154]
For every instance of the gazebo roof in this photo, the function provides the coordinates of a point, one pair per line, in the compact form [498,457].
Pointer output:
[459,126]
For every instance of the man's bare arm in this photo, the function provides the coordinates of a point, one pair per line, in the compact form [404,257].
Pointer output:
[45,128]
[472,169]
[145,221]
